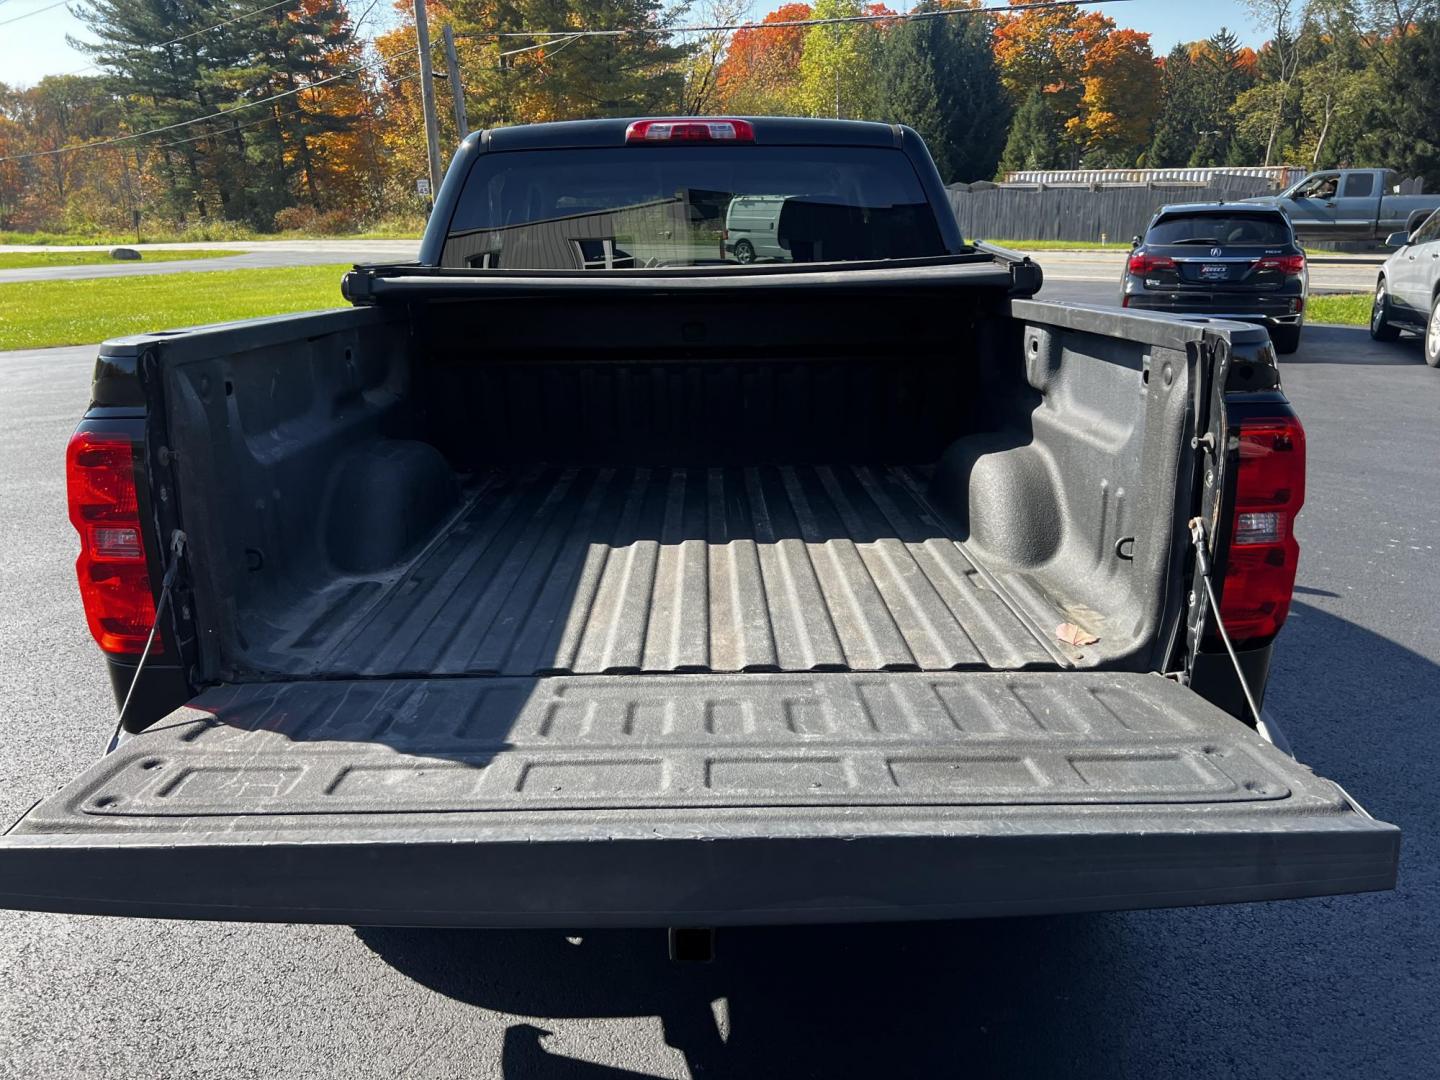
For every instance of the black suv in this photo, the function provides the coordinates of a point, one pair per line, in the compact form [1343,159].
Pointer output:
[1225,261]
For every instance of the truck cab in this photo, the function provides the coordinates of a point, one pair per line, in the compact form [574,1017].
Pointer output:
[1351,204]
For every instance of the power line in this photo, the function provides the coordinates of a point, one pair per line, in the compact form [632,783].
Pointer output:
[1036,5]
[217,26]
[194,33]
[36,11]
[1039,5]
[252,123]
[193,120]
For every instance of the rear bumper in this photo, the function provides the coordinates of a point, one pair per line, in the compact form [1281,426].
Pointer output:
[691,800]
[1269,312]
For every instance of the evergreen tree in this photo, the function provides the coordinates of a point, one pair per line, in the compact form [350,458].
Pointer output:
[1414,106]
[287,49]
[940,77]
[1221,80]
[1178,121]
[178,61]
[166,84]
[1037,137]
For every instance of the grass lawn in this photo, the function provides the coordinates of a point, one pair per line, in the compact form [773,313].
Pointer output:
[1346,310]
[1058,245]
[37,314]
[24,260]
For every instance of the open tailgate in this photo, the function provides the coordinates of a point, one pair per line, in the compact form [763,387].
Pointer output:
[690,800]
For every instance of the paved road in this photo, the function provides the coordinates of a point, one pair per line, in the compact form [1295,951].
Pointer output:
[262,254]
[1326,988]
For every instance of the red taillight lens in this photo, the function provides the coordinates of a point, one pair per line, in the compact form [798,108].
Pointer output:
[1286,264]
[1269,491]
[688,131]
[104,508]
[1143,263]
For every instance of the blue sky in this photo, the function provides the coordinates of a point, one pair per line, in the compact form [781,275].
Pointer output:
[34,46]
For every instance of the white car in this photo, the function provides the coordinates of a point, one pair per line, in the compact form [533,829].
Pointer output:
[1407,295]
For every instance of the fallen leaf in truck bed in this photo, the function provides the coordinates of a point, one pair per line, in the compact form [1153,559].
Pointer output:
[1071,634]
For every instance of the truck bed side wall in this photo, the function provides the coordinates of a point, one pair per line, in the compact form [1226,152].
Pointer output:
[316,467]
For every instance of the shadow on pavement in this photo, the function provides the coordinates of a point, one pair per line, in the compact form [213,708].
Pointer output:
[1353,345]
[906,1000]
[1327,987]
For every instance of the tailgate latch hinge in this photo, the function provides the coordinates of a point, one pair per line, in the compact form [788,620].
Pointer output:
[1202,572]
[172,567]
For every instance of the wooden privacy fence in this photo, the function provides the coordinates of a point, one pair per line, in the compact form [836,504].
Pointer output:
[1112,213]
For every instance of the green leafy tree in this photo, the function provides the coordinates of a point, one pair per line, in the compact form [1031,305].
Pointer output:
[940,77]
[1281,60]
[839,62]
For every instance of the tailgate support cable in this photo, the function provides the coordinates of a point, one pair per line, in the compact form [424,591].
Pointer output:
[1202,571]
[177,548]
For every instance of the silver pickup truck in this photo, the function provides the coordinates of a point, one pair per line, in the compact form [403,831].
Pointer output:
[1351,204]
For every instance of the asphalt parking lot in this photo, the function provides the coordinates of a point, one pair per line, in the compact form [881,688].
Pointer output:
[1340,987]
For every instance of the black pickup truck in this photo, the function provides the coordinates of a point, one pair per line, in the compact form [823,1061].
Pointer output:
[579,575]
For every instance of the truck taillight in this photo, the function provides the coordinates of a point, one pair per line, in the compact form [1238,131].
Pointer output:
[104,508]
[1269,491]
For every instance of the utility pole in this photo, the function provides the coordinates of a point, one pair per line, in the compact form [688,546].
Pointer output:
[427,98]
[457,89]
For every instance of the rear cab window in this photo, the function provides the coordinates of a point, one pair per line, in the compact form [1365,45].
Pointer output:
[1264,229]
[1359,185]
[643,207]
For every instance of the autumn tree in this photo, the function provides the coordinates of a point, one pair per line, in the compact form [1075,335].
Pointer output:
[1041,52]
[303,148]
[169,82]
[1120,100]
[624,74]
[13,143]
[1045,47]
[940,77]
[708,53]
[758,74]
[208,72]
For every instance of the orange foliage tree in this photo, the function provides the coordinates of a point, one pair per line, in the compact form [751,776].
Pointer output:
[1092,85]
[760,73]
[1120,102]
[1045,48]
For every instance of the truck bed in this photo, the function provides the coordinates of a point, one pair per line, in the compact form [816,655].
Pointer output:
[585,570]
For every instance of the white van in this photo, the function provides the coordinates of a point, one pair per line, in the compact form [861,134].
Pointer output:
[751,224]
